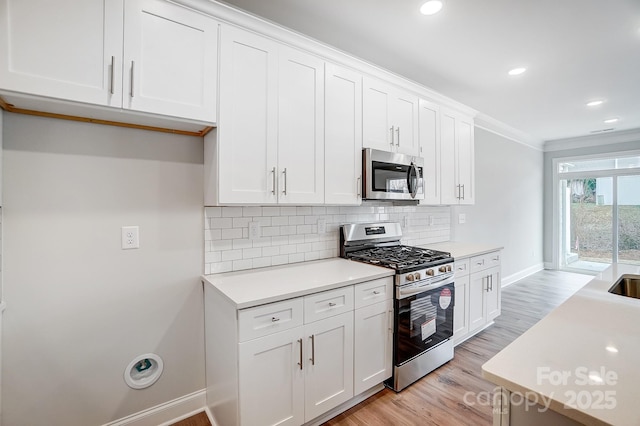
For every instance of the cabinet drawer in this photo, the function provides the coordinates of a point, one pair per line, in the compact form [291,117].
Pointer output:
[375,291]
[461,267]
[327,304]
[488,260]
[267,319]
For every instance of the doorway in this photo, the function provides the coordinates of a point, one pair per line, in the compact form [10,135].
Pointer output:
[598,215]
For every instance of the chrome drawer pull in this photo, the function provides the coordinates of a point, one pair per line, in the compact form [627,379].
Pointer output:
[275,319]
[331,304]
[376,292]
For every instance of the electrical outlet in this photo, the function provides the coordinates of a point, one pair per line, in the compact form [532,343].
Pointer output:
[462,218]
[430,220]
[255,231]
[130,237]
[404,222]
[322,226]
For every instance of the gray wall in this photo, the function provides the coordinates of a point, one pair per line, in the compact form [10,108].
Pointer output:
[508,207]
[79,308]
[548,183]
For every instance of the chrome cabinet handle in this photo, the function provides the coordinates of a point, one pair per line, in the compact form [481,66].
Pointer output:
[398,136]
[131,85]
[113,71]
[300,363]
[458,186]
[392,141]
[331,304]
[390,320]
[284,172]
[376,292]
[313,350]
[359,186]
[273,171]
[275,319]
[463,192]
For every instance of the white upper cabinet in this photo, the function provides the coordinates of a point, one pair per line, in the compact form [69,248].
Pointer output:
[300,127]
[64,49]
[247,129]
[170,60]
[270,139]
[343,136]
[145,55]
[390,118]
[429,132]
[456,158]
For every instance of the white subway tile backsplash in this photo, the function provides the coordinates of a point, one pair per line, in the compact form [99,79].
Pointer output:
[289,234]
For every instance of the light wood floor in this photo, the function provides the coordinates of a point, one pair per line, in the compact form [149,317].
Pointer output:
[439,398]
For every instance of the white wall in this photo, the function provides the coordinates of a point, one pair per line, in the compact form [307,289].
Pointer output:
[79,308]
[509,197]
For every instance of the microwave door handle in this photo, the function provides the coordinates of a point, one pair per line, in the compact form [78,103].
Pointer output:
[413,188]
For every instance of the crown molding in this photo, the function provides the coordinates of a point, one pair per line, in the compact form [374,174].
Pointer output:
[492,125]
[622,136]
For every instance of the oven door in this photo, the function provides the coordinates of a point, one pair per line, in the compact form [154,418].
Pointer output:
[424,317]
[392,176]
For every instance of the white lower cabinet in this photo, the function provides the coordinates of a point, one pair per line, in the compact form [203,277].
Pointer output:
[299,358]
[271,381]
[478,293]
[373,331]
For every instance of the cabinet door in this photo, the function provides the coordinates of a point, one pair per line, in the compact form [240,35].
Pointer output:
[448,163]
[272,380]
[329,364]
[343,136]
[478,285]
[170,60]
[376,121]
[247,144]
[372,345]
[494,293]
[404,118]
[429,133]
[65,49]
[300,128]
[465,158]
[461,309]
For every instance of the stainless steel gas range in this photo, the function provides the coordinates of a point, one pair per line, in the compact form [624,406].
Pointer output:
[424,297]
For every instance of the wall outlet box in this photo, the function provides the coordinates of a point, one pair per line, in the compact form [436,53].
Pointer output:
[322,226]
[462,218]
[255,231]
[130,237]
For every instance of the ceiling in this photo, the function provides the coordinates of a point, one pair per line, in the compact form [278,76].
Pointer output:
[575,51]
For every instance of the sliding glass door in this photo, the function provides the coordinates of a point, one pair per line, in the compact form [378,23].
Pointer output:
[629,219]
[598,213]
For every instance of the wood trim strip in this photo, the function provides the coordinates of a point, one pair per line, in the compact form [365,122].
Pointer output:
[10,108]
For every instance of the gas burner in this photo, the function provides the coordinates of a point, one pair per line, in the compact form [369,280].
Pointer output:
[399,257]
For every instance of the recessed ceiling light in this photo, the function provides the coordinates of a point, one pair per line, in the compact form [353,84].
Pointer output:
[517,71]
[610,120]
[594,103]
[431,7]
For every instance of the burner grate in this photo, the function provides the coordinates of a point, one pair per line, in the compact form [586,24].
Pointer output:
[399,257]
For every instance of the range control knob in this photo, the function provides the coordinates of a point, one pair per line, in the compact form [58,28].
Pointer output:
[443,269]
[449,268]
[430,272]
[409,277]
[417,275]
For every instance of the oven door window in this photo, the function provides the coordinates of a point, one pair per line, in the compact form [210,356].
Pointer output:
[423,321]
[394,178]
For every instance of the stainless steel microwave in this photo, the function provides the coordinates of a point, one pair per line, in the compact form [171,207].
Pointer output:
[391,176]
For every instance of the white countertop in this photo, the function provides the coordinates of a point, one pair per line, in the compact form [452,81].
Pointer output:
[265,285]
[460,250]
[573,340]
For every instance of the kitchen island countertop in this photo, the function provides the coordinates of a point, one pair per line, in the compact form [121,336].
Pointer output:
[582,358]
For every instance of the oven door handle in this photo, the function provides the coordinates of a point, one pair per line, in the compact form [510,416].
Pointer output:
[404,292]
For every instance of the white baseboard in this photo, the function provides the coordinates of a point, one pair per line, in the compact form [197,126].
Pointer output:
[548,265]
[522,274]
[167,413]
